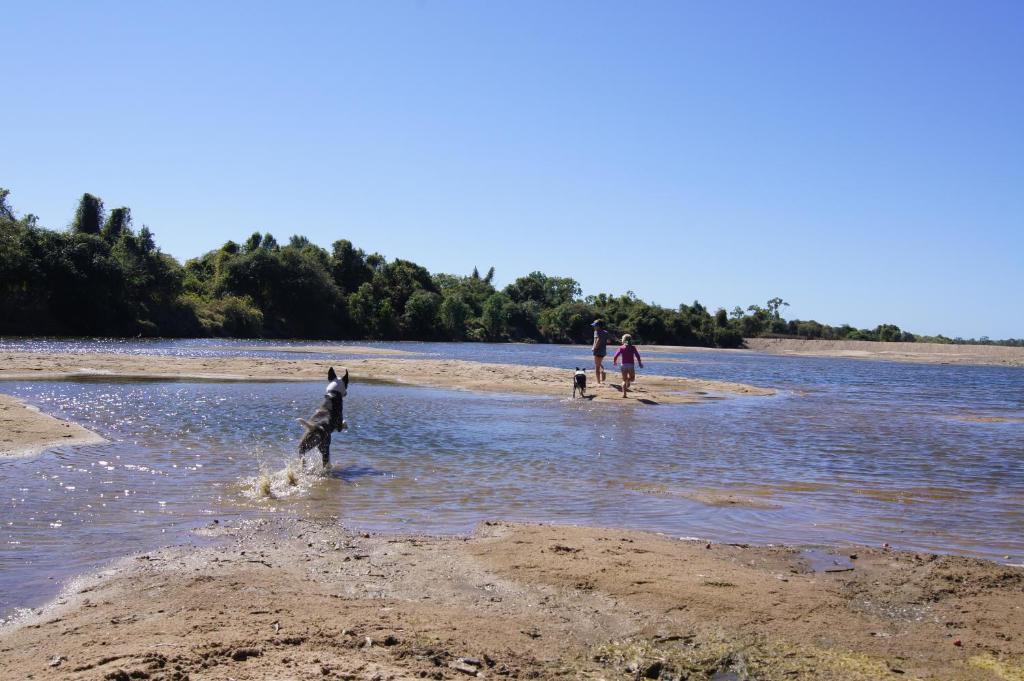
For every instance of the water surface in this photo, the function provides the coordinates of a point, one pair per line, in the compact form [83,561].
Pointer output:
[848,451]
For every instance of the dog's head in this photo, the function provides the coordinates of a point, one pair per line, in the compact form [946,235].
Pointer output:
[580,373]
[336,387]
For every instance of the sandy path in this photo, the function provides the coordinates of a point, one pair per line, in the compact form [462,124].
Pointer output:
[299,599]
[931,353]
[500,378]
[25,430]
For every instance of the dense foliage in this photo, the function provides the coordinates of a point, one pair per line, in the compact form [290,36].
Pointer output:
[102,277]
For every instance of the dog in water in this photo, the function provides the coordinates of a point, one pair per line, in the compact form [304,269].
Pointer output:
[325,420]
[579,382]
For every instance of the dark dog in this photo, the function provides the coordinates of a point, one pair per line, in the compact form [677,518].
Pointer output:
[326,420]
[579,382]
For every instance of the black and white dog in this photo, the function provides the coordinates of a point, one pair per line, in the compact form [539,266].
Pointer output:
[327,419]
[579,382]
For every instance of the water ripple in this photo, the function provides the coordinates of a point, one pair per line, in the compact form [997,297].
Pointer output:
[929,458]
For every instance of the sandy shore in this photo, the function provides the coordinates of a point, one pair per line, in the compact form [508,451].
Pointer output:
[931,353]
[24,430]
[295,599]
[499,378]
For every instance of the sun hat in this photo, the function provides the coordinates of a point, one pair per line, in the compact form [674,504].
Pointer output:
[597,322]
[627,339]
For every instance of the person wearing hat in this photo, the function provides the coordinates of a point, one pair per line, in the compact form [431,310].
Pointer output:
[600,349]
[630,359]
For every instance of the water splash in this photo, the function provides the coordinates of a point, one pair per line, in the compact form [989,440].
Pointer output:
[291,478]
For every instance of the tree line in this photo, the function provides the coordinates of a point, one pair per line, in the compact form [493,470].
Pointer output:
[102,276]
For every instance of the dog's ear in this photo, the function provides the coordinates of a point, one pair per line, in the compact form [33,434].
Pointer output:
[331,376]
[344,379]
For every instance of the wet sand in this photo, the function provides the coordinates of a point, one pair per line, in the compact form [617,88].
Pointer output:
[295,599]
[459,374]
[930,353]
[24,430]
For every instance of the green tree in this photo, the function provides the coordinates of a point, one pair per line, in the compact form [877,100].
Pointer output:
[495,316]
[253,242]
[146,240]
[420,320]
[119,222]
[567,323]
[545,290]
[398,280]
[6,212]
[454,313]
[89,216]
[773,307]
[888,333]
[363,311]
[348,266]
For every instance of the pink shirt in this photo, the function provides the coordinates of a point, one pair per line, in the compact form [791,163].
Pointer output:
[629,354]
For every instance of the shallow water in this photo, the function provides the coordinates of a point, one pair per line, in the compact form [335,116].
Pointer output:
[849,451]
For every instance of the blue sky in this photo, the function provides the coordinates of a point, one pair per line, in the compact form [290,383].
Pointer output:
[864,161]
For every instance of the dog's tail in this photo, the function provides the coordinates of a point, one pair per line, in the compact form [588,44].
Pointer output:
[311,438]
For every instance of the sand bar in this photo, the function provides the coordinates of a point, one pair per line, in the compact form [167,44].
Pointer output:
[299,599]
[923,353]
[24,430]
[928,353]
[460,374]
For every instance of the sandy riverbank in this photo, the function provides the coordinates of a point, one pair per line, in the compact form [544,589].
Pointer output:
[479,376]
[930,353]
[297,599]
[24,430]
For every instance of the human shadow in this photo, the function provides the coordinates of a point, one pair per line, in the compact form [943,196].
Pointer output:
[643,400]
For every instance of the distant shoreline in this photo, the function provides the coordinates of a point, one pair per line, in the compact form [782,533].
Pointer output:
[895,351]
[927,353]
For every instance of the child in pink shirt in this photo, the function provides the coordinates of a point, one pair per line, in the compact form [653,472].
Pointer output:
[629,355]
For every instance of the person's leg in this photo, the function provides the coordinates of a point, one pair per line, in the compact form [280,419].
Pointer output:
[632,376]
[597,369]
[625,380]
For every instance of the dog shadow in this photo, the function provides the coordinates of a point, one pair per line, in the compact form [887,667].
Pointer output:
[354,472]
[585,397]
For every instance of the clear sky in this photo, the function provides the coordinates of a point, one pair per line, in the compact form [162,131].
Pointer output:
[862,160]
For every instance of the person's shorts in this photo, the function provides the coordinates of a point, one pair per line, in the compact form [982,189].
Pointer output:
[598,353]
[626,366]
